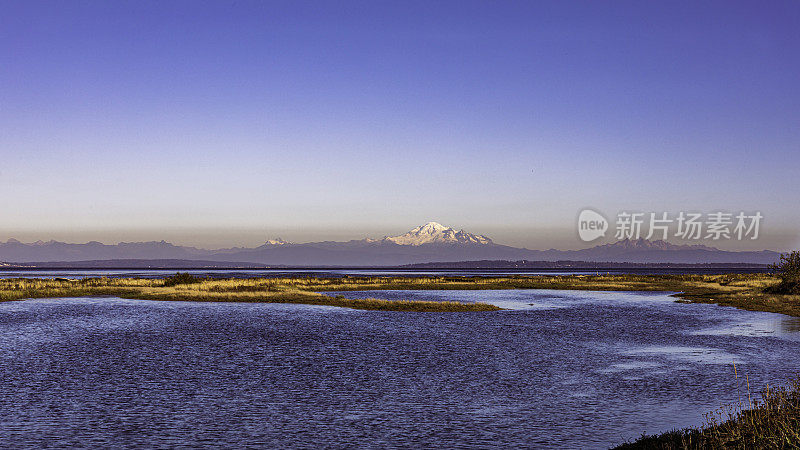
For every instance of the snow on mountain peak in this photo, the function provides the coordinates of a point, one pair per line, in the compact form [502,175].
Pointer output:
[436,233]
[644,244]
[432,227]
[277,241]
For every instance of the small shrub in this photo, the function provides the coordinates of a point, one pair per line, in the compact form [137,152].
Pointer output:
[181,278]
[788,270]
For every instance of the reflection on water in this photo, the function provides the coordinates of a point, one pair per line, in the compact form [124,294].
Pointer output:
[633,365]
[758,324]
[788,325]
[557,369]
[700,355]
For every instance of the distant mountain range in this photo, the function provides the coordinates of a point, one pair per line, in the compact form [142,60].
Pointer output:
[427,243]
[498,264]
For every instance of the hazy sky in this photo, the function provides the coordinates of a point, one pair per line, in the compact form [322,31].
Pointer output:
[225,123]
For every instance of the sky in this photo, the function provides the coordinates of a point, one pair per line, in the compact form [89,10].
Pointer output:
[227,123]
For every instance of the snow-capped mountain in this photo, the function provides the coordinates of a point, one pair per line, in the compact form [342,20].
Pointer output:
[436,233]
[277,241]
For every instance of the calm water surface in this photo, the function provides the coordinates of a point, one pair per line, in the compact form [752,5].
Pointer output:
[558,369]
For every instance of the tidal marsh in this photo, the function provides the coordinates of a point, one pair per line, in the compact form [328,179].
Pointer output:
[208,290]
[746,291]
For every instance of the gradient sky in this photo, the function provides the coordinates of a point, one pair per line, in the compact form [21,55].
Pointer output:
[225,123]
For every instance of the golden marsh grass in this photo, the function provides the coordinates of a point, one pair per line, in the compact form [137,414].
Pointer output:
[746,291]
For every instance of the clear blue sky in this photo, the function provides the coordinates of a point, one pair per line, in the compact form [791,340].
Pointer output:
[224,123]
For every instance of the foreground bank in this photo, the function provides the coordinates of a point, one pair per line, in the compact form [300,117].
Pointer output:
[772,421]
